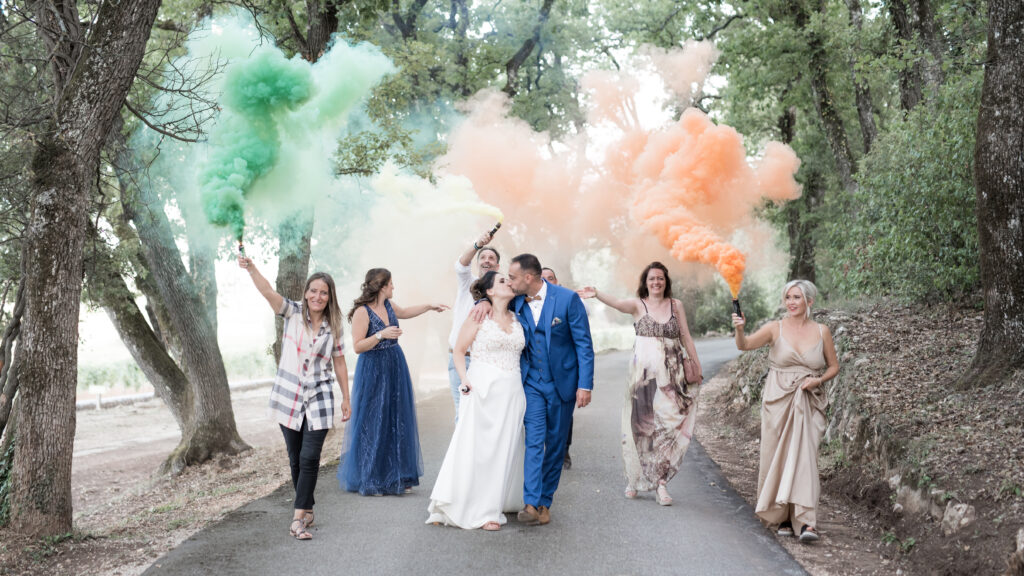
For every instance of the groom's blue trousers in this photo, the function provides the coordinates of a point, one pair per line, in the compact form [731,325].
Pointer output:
[546,421]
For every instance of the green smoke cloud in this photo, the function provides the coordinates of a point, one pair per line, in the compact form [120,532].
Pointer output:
[245,143]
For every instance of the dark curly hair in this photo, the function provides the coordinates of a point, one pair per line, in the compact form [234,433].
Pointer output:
[642,290]
[376,280]
[479,288]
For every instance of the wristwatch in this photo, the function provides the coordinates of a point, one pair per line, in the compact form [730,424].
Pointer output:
[379,336]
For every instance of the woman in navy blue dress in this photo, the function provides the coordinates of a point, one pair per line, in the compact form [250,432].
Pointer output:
[381,451]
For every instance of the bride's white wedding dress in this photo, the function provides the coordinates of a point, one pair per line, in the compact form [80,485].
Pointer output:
[482,473]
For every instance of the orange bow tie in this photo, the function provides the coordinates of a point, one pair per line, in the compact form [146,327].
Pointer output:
[532,298]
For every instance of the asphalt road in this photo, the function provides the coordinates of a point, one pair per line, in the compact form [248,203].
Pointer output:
[709,530]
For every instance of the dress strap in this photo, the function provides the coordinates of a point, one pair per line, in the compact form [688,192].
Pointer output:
[672,307]
[645,306]
[820,333]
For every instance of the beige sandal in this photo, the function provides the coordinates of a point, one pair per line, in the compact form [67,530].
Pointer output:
[300,533]
[663,497]
[491,526]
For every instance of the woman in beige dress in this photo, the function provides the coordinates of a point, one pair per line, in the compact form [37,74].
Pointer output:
[660,409]
[802,358]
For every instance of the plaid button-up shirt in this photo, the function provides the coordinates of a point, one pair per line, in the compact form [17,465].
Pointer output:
[304,385]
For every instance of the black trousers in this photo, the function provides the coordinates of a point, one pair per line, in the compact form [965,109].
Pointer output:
[304,448]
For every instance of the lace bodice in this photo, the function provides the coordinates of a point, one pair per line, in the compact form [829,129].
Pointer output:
[497,347]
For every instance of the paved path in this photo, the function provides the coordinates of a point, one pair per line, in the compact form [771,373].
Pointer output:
[594,530]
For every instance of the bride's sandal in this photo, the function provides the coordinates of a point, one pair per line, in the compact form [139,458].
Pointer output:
[491,526]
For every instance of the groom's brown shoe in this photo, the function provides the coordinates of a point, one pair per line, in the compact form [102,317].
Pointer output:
[528,515]
[543,515]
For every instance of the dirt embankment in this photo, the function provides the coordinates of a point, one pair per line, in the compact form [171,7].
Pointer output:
[919,475]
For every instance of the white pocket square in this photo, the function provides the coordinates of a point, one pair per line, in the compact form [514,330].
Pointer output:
[556,321]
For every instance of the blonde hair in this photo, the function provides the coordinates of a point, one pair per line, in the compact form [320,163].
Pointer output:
[807,289]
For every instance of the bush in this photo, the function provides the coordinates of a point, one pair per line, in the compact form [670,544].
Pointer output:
[910,229]
[709,309]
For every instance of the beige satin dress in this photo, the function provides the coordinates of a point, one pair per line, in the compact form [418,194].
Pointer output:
[792,424]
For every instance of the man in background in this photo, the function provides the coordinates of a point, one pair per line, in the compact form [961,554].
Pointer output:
[487,259]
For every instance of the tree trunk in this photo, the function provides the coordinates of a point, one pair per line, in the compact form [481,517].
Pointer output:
[8,358]
[212,426]
[90,87]
[862,92]
[931,38]
[202,257]
[831,119]
[910,71]
[999,186]
[107,288]
[800,219]
[295,235]
[516,61]
[801,226]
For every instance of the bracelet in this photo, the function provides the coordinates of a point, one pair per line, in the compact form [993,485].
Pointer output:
[475,247]
[379,336]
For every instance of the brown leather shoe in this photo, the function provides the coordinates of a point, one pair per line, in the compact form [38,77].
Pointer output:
[543,515]
[528,515]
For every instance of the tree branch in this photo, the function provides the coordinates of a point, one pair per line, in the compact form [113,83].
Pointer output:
[517,60]
[721,26]
[156,128]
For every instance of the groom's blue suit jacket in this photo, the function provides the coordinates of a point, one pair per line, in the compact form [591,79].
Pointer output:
[570,350]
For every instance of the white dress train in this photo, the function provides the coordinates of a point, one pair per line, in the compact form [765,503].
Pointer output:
[482,473]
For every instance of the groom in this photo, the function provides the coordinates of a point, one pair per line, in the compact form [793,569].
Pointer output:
[558,371]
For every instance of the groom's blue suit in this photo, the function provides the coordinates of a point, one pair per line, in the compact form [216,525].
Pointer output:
[558,360]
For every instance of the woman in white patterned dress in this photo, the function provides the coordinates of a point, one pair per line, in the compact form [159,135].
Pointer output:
[482,473]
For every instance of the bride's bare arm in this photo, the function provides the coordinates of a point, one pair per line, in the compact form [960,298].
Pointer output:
[466,336]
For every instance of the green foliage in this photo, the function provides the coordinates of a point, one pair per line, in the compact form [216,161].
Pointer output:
[709,309]
[910,229]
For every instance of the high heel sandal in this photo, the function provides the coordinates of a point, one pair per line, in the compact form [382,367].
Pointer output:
[662,496]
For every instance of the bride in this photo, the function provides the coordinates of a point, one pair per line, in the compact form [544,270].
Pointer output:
[482,473]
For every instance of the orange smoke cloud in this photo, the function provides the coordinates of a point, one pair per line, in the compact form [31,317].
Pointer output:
[689,184]
[693,187]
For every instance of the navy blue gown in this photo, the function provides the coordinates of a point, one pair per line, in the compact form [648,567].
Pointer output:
[381,449]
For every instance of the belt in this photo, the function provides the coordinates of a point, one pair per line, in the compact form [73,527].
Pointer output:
[450,351]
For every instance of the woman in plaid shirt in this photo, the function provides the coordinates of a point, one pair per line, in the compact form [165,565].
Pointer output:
[302,399]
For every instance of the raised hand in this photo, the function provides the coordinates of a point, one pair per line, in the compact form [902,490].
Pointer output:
[587,292]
